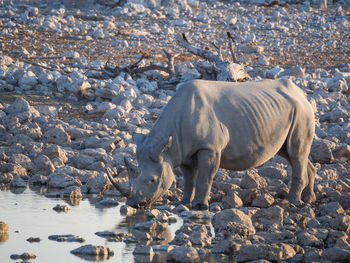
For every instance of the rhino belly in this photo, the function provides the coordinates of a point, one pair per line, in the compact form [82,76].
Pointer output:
[245,161]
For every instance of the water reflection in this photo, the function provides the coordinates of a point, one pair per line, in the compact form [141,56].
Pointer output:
[94,257]
[4,236]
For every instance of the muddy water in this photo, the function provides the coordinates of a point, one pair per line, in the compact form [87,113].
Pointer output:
[30,214]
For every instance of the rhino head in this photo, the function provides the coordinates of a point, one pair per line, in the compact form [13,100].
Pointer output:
[155,174]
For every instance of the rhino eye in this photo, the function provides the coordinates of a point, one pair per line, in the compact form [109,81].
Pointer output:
[154,179]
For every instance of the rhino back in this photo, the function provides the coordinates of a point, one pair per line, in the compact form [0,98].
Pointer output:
[247,122]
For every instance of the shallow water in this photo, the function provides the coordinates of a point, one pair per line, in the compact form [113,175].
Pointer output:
[30,214]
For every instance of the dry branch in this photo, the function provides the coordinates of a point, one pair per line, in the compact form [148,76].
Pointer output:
[135,69]
[226,70]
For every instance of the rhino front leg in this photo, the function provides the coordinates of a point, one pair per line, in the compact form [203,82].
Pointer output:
[190,174]
[208,165]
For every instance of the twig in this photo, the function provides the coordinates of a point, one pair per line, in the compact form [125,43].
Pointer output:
[230,45]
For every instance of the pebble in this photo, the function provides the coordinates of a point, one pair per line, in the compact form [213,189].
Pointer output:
[62,208]
[67,238]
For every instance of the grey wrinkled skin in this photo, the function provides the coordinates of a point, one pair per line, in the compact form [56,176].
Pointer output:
[236,126]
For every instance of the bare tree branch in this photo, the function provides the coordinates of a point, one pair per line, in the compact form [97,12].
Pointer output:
[230,45]
[226,70]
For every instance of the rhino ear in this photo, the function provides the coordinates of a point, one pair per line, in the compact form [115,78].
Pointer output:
[138,138]
[163,146]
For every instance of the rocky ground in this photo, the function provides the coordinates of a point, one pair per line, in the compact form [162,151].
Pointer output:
[63,119]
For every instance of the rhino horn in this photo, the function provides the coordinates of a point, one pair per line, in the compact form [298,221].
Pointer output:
[132,168]
[123,188]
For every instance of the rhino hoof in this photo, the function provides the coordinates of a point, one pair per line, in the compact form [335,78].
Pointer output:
[200,206]
[296,203]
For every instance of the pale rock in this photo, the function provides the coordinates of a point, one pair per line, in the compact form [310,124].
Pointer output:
[57,135]
[251,179]
[264,200]
[77,133]
[295,71]
[216,207]
[18,182]
[183,254]
[38,179]
[263,251]
[105,106]
[101,251]
[81,161]
[5,60]
[250,49]
[273,172]
[333,209]
[263,61]
[116,113]
[59,180]
[143,101]
[337,85]
[43,165]
[232,200]
[126,104]
[270,217]
[98,33]
[146,86]
[151,226]
[305,238]
[232,20]
[200,236]
[6,178]
[28,81]
[71,54]
[55,151]
[48,110]
[222,219]
[321,151]
[18,106]
[191,74]
[105,93]
[193,3]
[335,254]
[79,86]
[127,210]
[228,247]
[97,184]
[67,238]
[273,72]
[71,192]
[62,208]
[13,169]
[22,160]
[63,83]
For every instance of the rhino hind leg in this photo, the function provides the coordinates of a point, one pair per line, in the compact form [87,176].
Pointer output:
[190,176]
[299,180]
[308,194]
[208,165]
[303,177]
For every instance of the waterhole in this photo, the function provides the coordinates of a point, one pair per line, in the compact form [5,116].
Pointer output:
[30,214]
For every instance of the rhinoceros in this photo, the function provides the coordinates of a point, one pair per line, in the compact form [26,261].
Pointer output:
[209,125]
